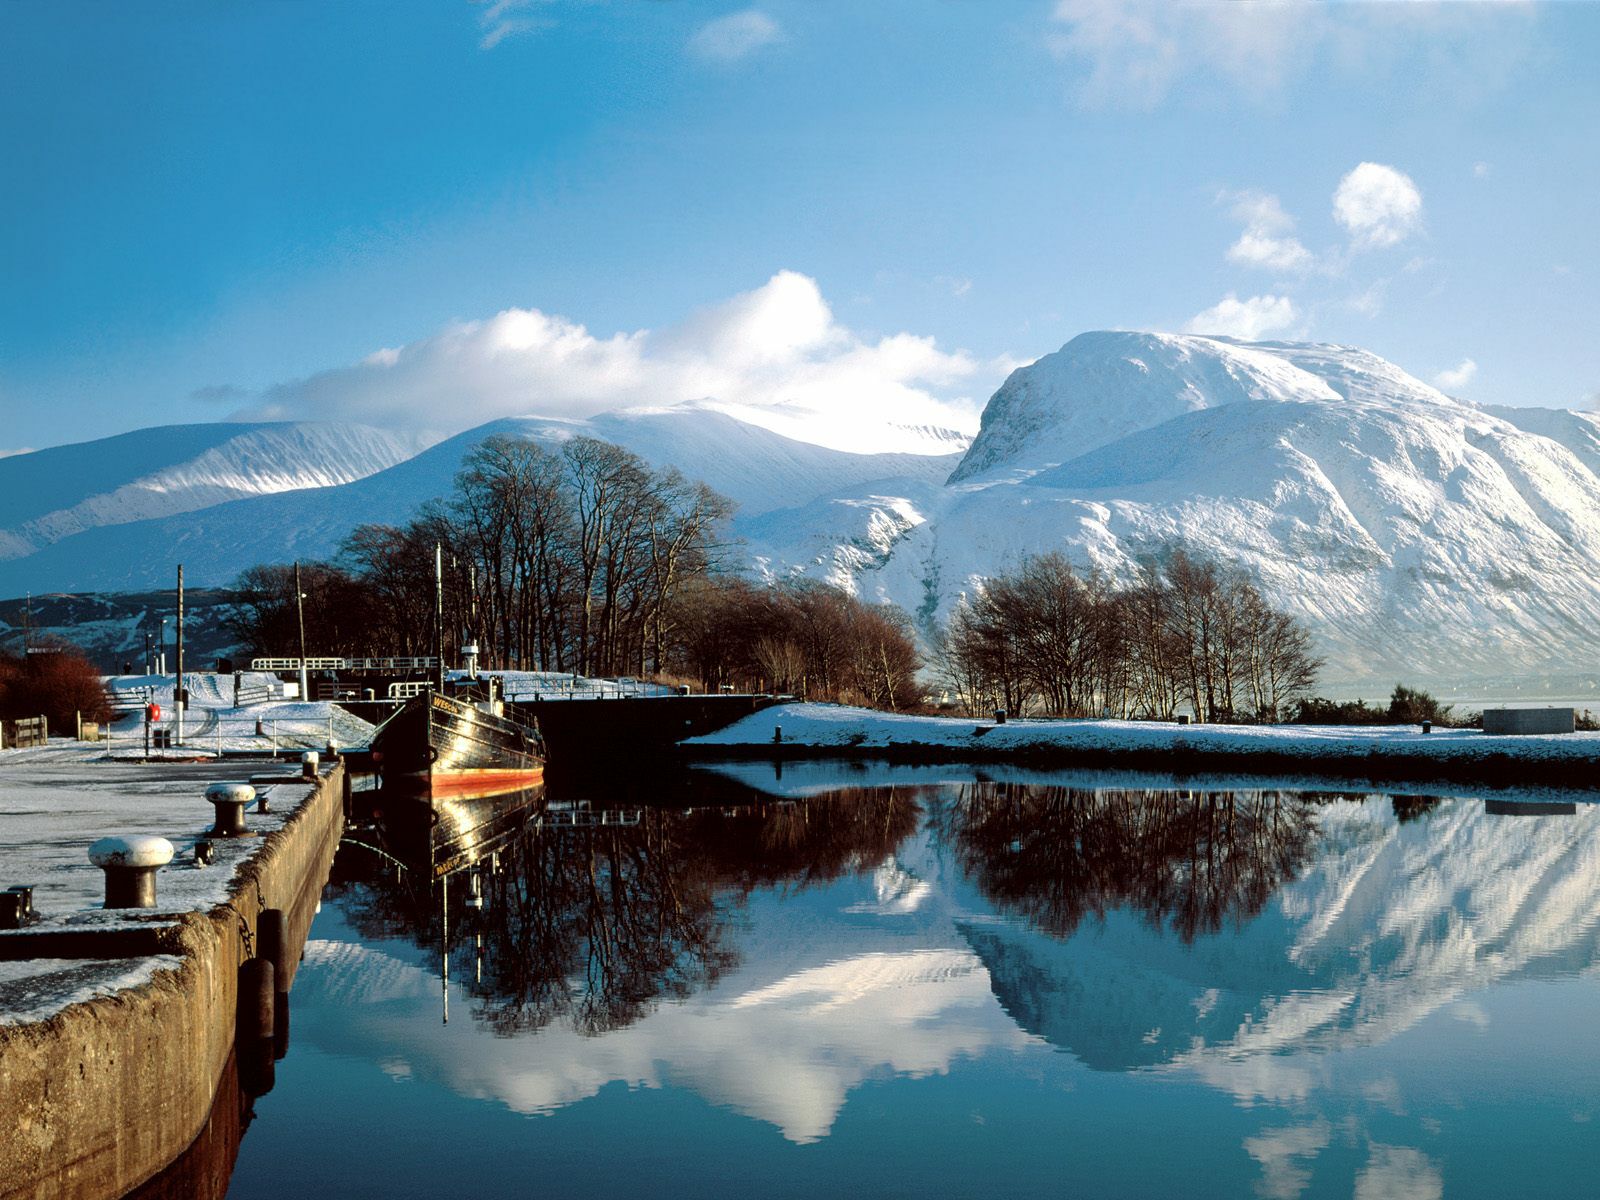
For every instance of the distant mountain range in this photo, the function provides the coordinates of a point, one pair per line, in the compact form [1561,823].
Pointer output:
[1418,534]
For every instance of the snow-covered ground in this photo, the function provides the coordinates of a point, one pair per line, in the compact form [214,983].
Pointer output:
[213,726]
[860,729]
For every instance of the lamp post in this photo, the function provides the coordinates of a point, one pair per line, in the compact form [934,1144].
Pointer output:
[300,613]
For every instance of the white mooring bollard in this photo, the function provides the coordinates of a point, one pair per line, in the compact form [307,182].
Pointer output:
[130,865]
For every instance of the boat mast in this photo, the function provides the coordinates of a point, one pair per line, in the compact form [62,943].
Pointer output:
[438,612]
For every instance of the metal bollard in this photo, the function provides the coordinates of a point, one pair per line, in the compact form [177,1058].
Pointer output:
[309,761]
[130,865]
[25,891]
[777,734]
[1427,727]
[204,853]
[999,716]
[229,799]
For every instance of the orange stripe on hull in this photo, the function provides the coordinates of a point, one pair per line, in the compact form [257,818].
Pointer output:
[485,781]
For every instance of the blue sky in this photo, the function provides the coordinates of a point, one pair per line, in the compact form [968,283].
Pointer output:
[432,213]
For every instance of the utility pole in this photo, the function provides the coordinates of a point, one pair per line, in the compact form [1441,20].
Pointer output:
[300,612]
[438,612]
[179,695]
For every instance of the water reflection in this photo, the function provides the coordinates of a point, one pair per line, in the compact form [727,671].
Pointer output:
[1188,861]
[1268,952]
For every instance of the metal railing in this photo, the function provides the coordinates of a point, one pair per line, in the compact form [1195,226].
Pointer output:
[419,663]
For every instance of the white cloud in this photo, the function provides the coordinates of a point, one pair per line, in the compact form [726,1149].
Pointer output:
[1137,50]
[1369,302]
[501,19]
[1481,170]
[735,36]
[1268,239]
[4,453]
[1378,205]
[777,350]
[1251,319]
[1135,53]
[1457,376]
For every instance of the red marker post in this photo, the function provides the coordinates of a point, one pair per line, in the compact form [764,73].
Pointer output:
[152,714]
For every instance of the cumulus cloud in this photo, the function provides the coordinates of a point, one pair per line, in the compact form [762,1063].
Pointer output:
[1378,205]
[1268,239]
[1457,376]
[777,353]
[1481,170]
[735,36]
[1251,319]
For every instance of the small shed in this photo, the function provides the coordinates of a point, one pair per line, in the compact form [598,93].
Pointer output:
[1528,720]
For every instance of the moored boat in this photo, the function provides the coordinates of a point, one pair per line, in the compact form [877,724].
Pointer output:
[457,749]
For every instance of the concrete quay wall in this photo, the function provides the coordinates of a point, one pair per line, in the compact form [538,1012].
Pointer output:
[106,1093]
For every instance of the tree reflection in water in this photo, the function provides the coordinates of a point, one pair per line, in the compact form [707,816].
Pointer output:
[596,924]
[1188,861]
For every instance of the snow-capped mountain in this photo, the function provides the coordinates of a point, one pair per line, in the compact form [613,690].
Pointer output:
[48,495]
[1416,533]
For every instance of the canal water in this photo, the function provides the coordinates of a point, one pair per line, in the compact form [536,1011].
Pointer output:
[837,981]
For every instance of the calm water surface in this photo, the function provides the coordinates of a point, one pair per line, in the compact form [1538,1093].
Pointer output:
[910,982]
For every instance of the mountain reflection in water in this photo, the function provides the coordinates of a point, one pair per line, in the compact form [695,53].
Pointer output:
[790,945]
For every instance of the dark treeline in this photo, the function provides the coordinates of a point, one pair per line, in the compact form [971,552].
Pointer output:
[582,559]
[1189,634]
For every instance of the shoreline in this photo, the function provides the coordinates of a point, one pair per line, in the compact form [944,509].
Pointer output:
[1366,754]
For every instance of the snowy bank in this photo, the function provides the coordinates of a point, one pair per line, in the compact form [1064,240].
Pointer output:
[1370,752]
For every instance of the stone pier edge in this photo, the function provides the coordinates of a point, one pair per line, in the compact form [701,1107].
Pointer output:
[103,1095]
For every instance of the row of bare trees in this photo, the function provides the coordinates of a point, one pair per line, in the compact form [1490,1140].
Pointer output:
[564,560]
[583,559]
[1186,634]
[801,637]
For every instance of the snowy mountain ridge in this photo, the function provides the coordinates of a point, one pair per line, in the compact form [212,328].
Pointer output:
[1415,533]
[49,495]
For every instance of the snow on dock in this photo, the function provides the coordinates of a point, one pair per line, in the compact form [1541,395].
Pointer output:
[52,806]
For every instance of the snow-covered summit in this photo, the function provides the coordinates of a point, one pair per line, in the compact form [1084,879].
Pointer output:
[1102,386]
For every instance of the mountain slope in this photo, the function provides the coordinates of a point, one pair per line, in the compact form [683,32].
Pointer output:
[758,469]
[1416,534]
[1406,527]
[48,495]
